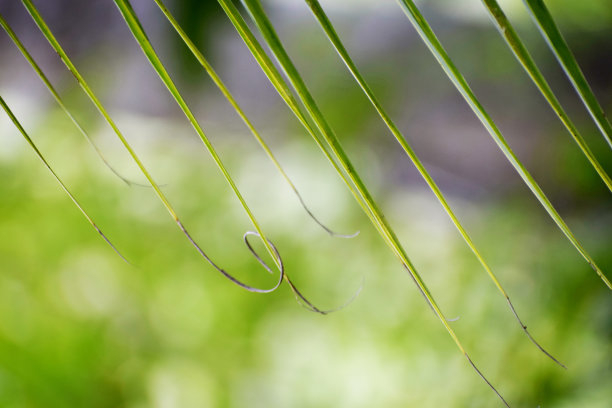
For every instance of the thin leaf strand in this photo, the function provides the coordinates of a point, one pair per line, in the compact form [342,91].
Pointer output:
[283,89]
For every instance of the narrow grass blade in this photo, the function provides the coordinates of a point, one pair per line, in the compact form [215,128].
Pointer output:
[432,42]
[61,183]
[559,47]
[59,100]
[354,182]
[331,34]
[225,91]
[522,55]
[64,57]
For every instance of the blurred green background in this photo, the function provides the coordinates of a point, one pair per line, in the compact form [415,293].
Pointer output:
[80,328]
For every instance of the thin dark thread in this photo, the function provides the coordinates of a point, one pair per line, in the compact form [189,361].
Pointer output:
[464,353]
[485,379]
[419,288]
[531,338]
[315,219]
[245,237]
[105,238]
[304,302]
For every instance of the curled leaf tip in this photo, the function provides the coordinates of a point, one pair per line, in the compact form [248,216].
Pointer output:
[346,236]
[245,237]
[231,277]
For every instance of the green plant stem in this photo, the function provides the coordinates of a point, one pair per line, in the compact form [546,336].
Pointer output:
[230,98]
[331,34]
[543,19]
[58,99]
[434,45]
[57,178]
[522,55]
[64,57]
[362,194]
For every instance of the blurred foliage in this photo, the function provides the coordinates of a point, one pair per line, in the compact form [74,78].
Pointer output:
[81,328]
